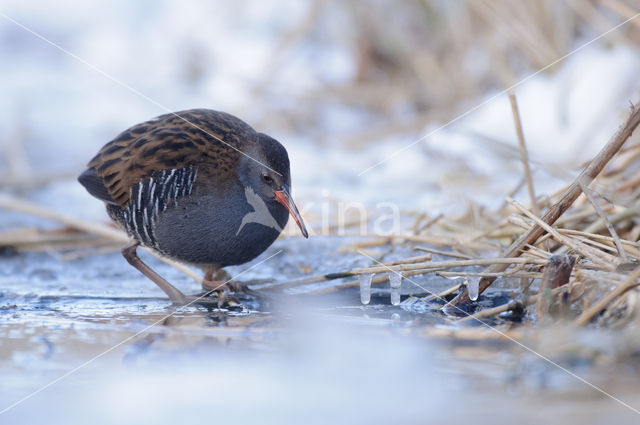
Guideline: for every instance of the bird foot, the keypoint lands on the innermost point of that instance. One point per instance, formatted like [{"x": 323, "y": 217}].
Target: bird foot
[
  {"x": 228, "y": 292},
  {"x": 221, "y": 300}
]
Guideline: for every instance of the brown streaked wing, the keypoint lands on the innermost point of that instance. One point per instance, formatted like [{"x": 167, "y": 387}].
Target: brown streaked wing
[{"x": 169, "y": 142}]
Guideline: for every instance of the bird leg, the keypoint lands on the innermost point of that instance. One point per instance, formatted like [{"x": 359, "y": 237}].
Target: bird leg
[
  {"x": 220, "y": 287},
  {"x": 218, "y": 280},
  {"x": 129, "y": 252}
]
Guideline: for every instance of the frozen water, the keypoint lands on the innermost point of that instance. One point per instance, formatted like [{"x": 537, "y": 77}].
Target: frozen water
[
  {"x": 365, "y": 288},
  {"x": 415, "y": 305},
  {"x": 395, "y": 281},
  {"x": 472, "y": 287}
]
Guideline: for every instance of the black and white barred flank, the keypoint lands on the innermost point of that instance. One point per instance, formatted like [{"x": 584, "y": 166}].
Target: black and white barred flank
[{"x": 149, "y": 198}]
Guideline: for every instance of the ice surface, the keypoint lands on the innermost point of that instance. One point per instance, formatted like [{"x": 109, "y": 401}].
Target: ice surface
[
  {"x": 365, "y": 288},
  {"x": 395, "y": 281}
]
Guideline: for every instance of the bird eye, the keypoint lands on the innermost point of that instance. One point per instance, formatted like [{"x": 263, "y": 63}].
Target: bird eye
[{"x": 267, "y": 178}]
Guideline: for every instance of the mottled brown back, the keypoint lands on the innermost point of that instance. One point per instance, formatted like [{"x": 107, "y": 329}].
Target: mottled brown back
[{"x": 172, "y": 141}]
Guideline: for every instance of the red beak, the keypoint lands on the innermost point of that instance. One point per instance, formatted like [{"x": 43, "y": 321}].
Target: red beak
[{"x": 284, "y": 198}]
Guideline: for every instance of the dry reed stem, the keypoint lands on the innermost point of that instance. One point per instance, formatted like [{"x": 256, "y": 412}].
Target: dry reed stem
[
  {"x": 604, "y": 260},
  {"x": 565, "y": 220},
  {"x": 598, "y": 21},
  {"x": 485, "y": 274},
  {"x": 444, "y": 253},
  {"x": 630, "y": 282},
  {"x": 414, "y": 269},
  {"x": 595, "y": 244},
  {"x": 632, "y": 248},
  {"x": 471, "y": 334},
  {"x": 11, "y": 203},
  {"x": 429, "y": 223},
  {"x": 568, "y": 198},
  {"x": 523, "y": 152},
  {"x": 19, "y": 205},
  {"x": 534, "y": 251},
  {"x": 604, "y": 218},
  {"x": 616, "y": 218},
  {"x": 443, "y": 294},
  {"x": 518, "y": 303},
  {"x": 410, "y": 260},
  {"x": 378, "y": 279},
  {"x": 488, "y": 312},
  {"x": 556, "y": 273},
  {"x": 437, "y": 240},
  {"x": 629, "y": 184},
  {"x": 624, "y": 11},
  {"x": 26, "y": 237},
  {"x": 446, "y": 264}
]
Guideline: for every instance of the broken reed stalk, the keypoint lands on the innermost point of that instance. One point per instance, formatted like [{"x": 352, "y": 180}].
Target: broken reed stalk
[
  {"x": 523, "y": 153},
  {"x": 556, "y": 273},
  {"x": 629, "y": 283},
  {"x": 568, "y": 198},
  {"x": 11, "y": 203}
]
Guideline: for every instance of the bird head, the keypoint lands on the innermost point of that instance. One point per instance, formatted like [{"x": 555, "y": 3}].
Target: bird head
[{"x": 266, "y": 170}]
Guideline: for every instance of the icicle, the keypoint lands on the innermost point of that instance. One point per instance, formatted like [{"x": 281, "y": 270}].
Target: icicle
[
  {"x": 473, "y": 287},
  {"x": 395, "y": 281},
  {"x": 365, "y": 288}
]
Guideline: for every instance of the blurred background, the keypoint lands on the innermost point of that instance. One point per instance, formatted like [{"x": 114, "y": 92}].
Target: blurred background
[
  {"x": 376, "y": 101},
  {"x": 343, "y": 85}
]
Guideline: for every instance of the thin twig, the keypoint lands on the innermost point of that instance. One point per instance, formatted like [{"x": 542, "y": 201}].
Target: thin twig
[
  {"x": 444, "y": 253},
  {"x": 446, "y": 292},
  {"x": 485, "y": 274},
  {"x": 629, "y": 283},
  {"x": 410, "y": 260},
  {"x": 604, "y": 218},
  {"x": 605, "y": 261},
  {"x": 523, "y": 152}
]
